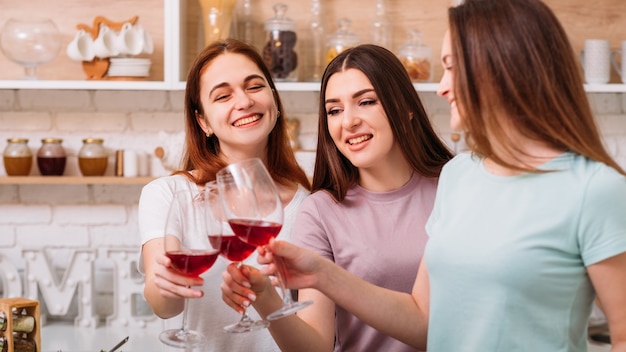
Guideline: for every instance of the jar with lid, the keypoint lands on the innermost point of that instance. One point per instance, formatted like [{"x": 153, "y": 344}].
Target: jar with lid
[
  {"x": 417, "y": 58},
  {"x": 280, "y": 49},
  {"x": 51, "y": 157},
  {"x": 17, "y": 156},
  {"x": 93, "y": 158},
  {"x": 341, "y": 40}
]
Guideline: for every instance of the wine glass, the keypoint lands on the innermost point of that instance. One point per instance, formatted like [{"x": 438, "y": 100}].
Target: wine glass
[
  {"x": 254, "y": 211},
  {"x": 30, "y": 43},
  {"x": 189, "y": 225},
  {"x": 235, "y": 250}
]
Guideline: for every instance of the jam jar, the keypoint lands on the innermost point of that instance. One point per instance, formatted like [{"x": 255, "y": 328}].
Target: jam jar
[
  {"x": 17, "y": 156},
  {"x": 280, "y": 49},
  {"x": 341, "y": 40},
  {"x": 417, "y": 58},
  {"x": 51, "y": 157},
  {"x": 93, "y": 158}
]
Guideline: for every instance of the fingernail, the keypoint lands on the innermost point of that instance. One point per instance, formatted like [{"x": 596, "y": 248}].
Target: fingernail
[
  {"x": 246, "y": 304},
  {"x": 252, "y": 297},
  {"x": 246, "y": 284}
]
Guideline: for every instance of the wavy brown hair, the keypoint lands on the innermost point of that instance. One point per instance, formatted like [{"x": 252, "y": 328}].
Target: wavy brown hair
[
  {"x": 514, "y": 65},
  {"x": 202, "y": 153},
  {"x": 420, "y": 145}
]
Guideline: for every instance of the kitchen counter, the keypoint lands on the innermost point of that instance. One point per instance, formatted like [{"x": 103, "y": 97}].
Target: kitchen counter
[{"x": 65, "y": 337}]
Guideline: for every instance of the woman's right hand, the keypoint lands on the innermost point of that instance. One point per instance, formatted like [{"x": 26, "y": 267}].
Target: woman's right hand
[
  {"x": 302, "y": 267},
  {"x": 171, "y": 284},
  {"x": 242, "y": 285}
]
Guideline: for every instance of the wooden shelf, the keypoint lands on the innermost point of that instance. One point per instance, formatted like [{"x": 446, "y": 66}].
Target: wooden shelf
[{"x": 74, "y": 180}]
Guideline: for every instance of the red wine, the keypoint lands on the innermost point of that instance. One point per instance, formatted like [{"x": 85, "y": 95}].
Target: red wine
[
  {"x": 51, "y": 166},
  {"x": 192, "y": 262},
  {"x": 255, "y": 232},
  {"x": 235, "y": 249}
]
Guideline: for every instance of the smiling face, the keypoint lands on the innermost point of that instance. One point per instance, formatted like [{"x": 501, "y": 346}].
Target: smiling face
[
  {"x": 446, "y": 85},
  {"x": 238, "y": 103},
  {"x": 357, "y": 122}
]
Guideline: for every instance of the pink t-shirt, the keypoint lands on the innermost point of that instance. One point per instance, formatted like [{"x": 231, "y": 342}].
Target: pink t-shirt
[{"x": 379, "y": 237}]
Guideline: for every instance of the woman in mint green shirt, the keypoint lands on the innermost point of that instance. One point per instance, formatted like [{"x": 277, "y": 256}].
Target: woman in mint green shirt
[{"x": 529, "y": 226}]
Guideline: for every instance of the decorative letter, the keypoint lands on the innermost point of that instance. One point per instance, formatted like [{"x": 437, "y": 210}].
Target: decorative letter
[
  {"x": 38, "y": 272},
  {"x": 128, "y": 285}
]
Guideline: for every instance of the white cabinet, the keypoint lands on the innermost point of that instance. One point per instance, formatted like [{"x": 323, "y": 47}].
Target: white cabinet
[{"x": 175, "y": 28}]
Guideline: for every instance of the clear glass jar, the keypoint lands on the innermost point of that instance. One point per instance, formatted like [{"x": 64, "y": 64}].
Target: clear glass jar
[
  {"x": 17, "y": 156},
  {"x": 280, "y": 49},
  {"x": 381, "y": 26},
  {"x": 93, "y": 158},
  {"x": 51, "y": 157},
  {"x": 341, "y": 40},
  {"x": 417, "y": 58},
  {"x": 316, "y": 30}
]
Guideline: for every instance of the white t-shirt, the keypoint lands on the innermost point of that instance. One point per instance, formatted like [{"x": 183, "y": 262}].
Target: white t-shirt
[{"x": 208, "y": 314}]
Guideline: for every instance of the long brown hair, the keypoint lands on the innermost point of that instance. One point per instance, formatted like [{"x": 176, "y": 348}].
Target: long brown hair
[
  {"x": 513, "y": 61},
  {"x": 419, "y": 143},
  {"x": 202, "y": 153}
]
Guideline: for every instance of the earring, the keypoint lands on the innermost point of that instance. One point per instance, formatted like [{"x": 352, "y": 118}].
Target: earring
[{"x": 209, "y": 133}]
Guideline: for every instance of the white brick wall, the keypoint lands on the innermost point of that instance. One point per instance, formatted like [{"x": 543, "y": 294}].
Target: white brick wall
[{"x": 104, "y": 216}]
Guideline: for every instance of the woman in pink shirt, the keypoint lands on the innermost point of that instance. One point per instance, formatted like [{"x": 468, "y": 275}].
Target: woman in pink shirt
[{"x": 376, "y": 171}]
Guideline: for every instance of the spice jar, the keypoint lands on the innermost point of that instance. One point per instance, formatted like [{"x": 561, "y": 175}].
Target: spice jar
[
  {"x": 341, "y": 40},
  {"x": 279, "y": 51},
  {"x": 51, "y": 157},
  {"x": 21, "y": 323},
  {"x": 17, "y": 156},
  {"x": 417, "y": 58},
  {"x": 92, "y": 157}
]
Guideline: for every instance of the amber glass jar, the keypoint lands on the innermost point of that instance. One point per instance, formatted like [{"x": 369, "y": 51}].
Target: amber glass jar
[
  {"x": 51, "y": 157},
  {"x": 417, "y": 58},
  {"x": 93, "y": 159},
  {"x": 17, "y": 156},
  {"x": 341, "y": 40}
]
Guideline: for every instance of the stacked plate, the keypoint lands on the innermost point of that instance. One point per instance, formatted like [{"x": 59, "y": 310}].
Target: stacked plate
[{"x": 129, "y": 67}]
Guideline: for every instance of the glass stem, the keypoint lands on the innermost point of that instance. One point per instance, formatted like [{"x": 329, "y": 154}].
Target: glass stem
[
  {"x": 30, "y": 72},
  {"x": 185, "y": 326},
  {"x": 245, "y": 319},
  {"x": 287, "y": 300}
]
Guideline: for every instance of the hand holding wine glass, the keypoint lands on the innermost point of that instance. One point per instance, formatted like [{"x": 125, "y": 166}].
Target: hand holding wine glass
[
  {"x": 254, "y": 211},
  {"x": 236, "y": 250},
  {"x": 189, "y": 224}
]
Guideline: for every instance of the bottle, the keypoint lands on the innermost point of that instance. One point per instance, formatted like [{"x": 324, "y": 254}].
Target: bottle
[
  {"x": 21, "y": 323},
  {"x": 279, "y": 51},
  {"x": 246, "y": 25},
  {"x": 22, "y": 343},
  {"x": 316, "y": 29},
  {"x": 341, "y": 40},
  {"x": 417, "y": 58},
  {"x": 381, "y": 26},
  {"x": 217, "y": 19},
  {"x": 51, "y": 157},
  {"x": 17, "y": 156},
  {"x": 92, "y": 157}
]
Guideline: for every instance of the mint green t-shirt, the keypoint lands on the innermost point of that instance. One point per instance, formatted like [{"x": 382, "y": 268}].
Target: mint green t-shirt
[{"x": 507, "y": 256}]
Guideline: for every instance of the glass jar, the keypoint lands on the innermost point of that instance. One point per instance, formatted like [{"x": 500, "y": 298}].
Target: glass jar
[
  {"x": 17, "y": 156},
  {"x": 316, "y": 30},
  {"x": 279, "y": 51},
  {"x": 341, "y": 40},
  {"x": 417, "y": 58},
  {"x": 381, "y": 26},
  {"x": 93, "y": 159},
  {"x": 51, "y": 157}
]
